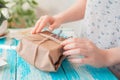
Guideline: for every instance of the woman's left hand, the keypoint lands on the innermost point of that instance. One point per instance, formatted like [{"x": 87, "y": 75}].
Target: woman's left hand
[{"x": 84, "y": 47}]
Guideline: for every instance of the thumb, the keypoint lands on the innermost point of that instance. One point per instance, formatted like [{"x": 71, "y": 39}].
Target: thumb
[{"x": 53, "y": 26}]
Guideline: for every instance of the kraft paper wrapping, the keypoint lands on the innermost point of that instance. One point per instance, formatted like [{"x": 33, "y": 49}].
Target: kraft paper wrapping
[{"x": 42, "y": 50}]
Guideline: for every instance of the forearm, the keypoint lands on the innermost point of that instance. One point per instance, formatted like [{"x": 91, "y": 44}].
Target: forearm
[
  {"x": 76, "y": 12},
  {"x": 114, "y": 55}
]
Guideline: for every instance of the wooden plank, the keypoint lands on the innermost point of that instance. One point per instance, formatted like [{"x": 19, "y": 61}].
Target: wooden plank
[
  {"x": 98, "y": 73},
  {"x": 8, "y": 72},
  {"x": 77, "y": 72},
  {"x": 69, "y": 70},
  {"x": 74, "y": 73}
]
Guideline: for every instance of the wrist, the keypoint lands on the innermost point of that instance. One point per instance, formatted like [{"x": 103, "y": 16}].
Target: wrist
[
  {"x": 59, "y": 18},
  {"x": 114, "y": 56},
  {"x": 105, "y": 61},
  {"x": 110, "y": 58},
  {"x": 106, "y": 58}
]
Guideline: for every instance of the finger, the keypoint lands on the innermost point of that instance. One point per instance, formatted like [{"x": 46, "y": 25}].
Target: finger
[
  {"x": 36, "y": 26},
  {"x": 43, "y": 23},
  {"x": 75, "y": 52},
  {"x": 73, "y": 46},
  {"x": 79, "y": 60},
  {"x": 73, "y": 40},
  {"x": 68, "y": 41},
  {"x": 53, "y": 26}
]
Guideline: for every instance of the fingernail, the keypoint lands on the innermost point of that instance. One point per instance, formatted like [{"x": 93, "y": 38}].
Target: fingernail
[
  {"x": 31, "y": 32},
  {"x": 37, "y": 31},
  {"x": 50, "y": 29},
  {"x": 62, "y": 43},
  {"x": 65, "y": 48},
  {"x": 69, "y": 59},
  {"x": 64, "y": 53}
]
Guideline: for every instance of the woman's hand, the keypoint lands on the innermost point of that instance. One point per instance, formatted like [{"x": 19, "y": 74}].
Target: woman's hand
[
  {"x": 84, "y": 47},
  {"x": 52, "y": 22}
]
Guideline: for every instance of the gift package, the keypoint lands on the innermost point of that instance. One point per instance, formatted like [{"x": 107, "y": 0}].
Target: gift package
[{"x": 42, "y": 50}]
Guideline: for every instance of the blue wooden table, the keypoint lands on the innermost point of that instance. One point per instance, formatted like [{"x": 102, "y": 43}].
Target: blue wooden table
[{"x": 18, "y": 69}]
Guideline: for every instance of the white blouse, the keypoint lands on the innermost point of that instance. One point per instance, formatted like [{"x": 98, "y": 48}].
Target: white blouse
[{"x": 102, "y": 23}]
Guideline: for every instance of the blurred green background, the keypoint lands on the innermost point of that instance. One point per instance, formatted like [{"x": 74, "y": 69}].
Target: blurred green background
[{"x": 18, "y": 13}]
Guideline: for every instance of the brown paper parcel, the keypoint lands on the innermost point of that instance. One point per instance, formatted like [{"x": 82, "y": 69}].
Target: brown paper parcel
[{"x": 42, "y": 50}]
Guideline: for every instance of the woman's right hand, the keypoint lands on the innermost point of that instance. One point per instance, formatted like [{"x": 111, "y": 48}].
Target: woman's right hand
[{"x": 52, "y": 22}]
